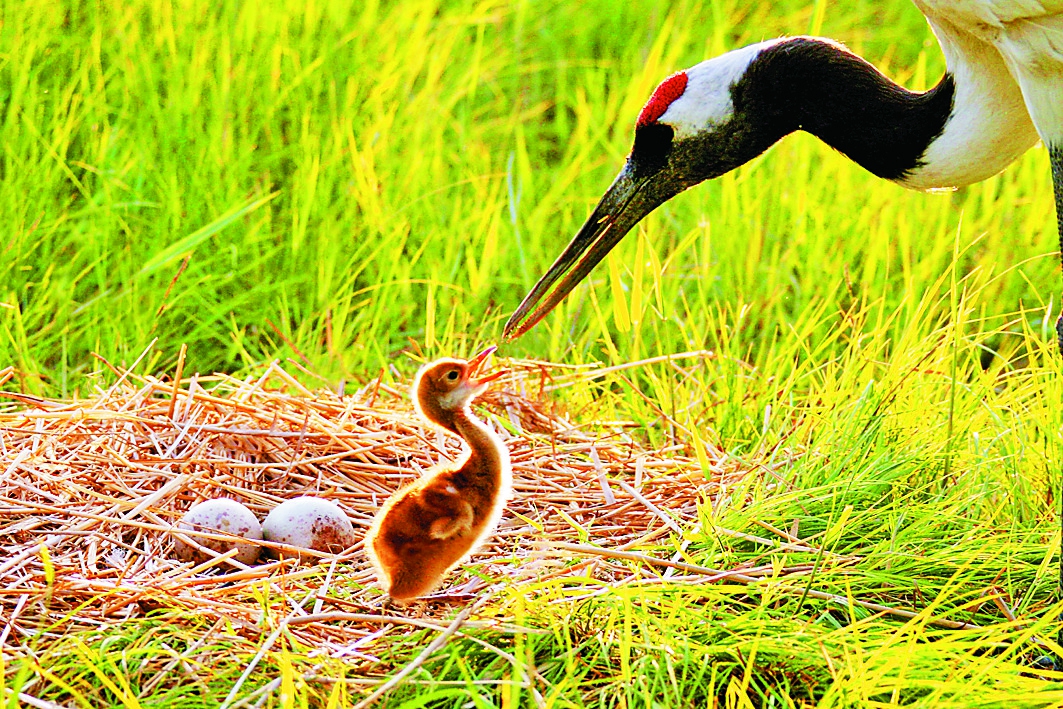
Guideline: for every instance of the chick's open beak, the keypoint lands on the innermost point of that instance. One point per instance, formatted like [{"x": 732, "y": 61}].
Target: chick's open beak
[{"x": 477, "y": 363}]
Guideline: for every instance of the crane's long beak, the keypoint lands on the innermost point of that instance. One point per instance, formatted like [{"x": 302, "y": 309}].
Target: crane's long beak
[{"x": 619, "y": 209}]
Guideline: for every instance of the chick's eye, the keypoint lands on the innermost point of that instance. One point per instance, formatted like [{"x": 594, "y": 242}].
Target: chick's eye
[{"x": 452, "y": 375}]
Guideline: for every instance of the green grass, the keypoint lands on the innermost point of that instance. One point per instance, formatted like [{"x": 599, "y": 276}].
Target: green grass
[{"x": 342, "y": 182}]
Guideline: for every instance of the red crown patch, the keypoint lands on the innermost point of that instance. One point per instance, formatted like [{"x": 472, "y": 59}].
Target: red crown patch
[{"x": 663, "y": 96}]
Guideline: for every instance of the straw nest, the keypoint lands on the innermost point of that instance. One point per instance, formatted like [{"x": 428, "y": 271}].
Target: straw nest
[{"x": 92, "y": 488}]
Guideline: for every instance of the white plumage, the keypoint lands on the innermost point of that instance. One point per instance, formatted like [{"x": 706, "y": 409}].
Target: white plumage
[{"x": 1007, "y": 60}]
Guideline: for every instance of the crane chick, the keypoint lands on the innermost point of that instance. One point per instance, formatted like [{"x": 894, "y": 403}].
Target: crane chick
[{"x": 428, "y": 527}]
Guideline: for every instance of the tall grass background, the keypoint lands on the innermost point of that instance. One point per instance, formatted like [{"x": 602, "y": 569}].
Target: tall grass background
[{"x": 358, "y": 186}]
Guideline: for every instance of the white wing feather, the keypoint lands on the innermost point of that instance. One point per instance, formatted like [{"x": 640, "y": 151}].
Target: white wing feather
[{"x": 1028, "y": 34}]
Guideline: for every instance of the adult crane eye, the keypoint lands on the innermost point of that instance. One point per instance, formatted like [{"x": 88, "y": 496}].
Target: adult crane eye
[{"x": 653, "y": 145}]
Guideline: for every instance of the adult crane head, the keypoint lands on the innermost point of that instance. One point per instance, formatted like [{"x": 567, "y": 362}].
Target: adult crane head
[
  {"x": 686, "y": 133},
  {"x": 712, "y": 118}
]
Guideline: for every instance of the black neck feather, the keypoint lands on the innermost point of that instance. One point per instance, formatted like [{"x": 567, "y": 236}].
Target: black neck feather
[{"x": 816, "y": 86}]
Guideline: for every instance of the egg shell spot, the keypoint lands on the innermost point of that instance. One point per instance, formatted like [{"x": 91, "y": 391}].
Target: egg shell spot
[
  {"x": 310, "y": 523},
  {"x": 224, "y": 516}
]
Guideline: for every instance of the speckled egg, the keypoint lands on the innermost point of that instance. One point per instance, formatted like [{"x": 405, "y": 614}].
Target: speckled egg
[
  {"x": 310, "y": 523},
  {"x": 221, "y": 515}
]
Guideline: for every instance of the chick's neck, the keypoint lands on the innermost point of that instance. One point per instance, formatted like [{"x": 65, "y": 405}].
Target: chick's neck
[{"x": 488, "y": 461}]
